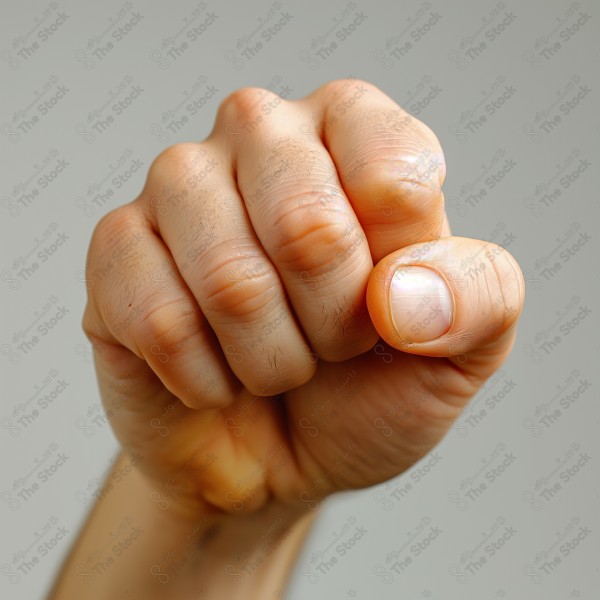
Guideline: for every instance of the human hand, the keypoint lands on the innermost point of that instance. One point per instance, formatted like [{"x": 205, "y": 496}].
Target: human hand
[{"x": 244, "y": 344}]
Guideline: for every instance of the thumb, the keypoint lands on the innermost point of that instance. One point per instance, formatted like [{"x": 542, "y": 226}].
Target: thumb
[{"x": 453, "y": 297}]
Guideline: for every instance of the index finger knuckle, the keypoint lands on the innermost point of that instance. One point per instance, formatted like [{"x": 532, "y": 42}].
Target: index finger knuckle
[{"x": 243, "y": 106}]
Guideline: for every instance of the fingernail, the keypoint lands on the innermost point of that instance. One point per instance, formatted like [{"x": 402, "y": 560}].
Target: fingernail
[{"x": 421, "y": 304}]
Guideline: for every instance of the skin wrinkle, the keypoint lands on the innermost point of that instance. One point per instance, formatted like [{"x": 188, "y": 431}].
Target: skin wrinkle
[
  {"x": 252, "y": 313},
  {"x": 409, "y": 145},
  {"x": 216, "y": 293},
  {"x": 228, "y": 244},
  {"x": 506, "y": 315},
  {"x": 325, "y": 235},
  {"x": 338, "y": 317},
  {"x": 308, "y": 209},
  {"x": 397, "y": 164},
  {"x": 287, "y": 164},
  {"x": 295, "y": 186},
  {"x": 324, "y": 414}
]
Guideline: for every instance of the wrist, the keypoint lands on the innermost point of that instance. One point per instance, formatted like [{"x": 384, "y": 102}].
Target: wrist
[
  {"x": 219, "y": 554},
  {"x": 251, "y": 556}
]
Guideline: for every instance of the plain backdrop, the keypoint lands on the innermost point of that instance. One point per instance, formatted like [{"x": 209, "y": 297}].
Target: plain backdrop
[{"x": 511, "y": 90}]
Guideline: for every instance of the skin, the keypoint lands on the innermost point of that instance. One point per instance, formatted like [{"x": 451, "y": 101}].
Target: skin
[{"x": 243, "y": 340}]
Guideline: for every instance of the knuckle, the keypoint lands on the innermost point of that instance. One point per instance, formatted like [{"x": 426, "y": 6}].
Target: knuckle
[
  {"x": 392, "y": 166},
  {"x": 395, "y": 185},
  {"x": 114, "y": 244},
  {"x": 241, "y": 287},
  {"x": 175, "y": 176},
  {"x": 112, "y": 224},
  {"x": 89, "y": 324},
  {"x": 243, "y": 104},
  {"x": 334, "y": 91},
  {"x": 172, "y": 158},
  {"x": 399, "y": 145},
  {"x": 163, "y": 329},
  {"x": 113, "y": 238},
  {"x": 169, "y": 169},
  {"x": 310, "y": 243}
]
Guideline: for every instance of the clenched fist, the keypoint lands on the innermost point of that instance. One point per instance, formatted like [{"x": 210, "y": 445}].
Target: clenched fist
[{"x": 282, "y": 312}]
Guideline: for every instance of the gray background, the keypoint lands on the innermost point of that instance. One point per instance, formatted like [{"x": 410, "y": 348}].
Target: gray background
[{"x": 542, "y": 407}]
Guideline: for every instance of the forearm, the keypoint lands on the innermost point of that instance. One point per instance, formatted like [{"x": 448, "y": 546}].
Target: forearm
[{"x": 135, "y": 543}]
